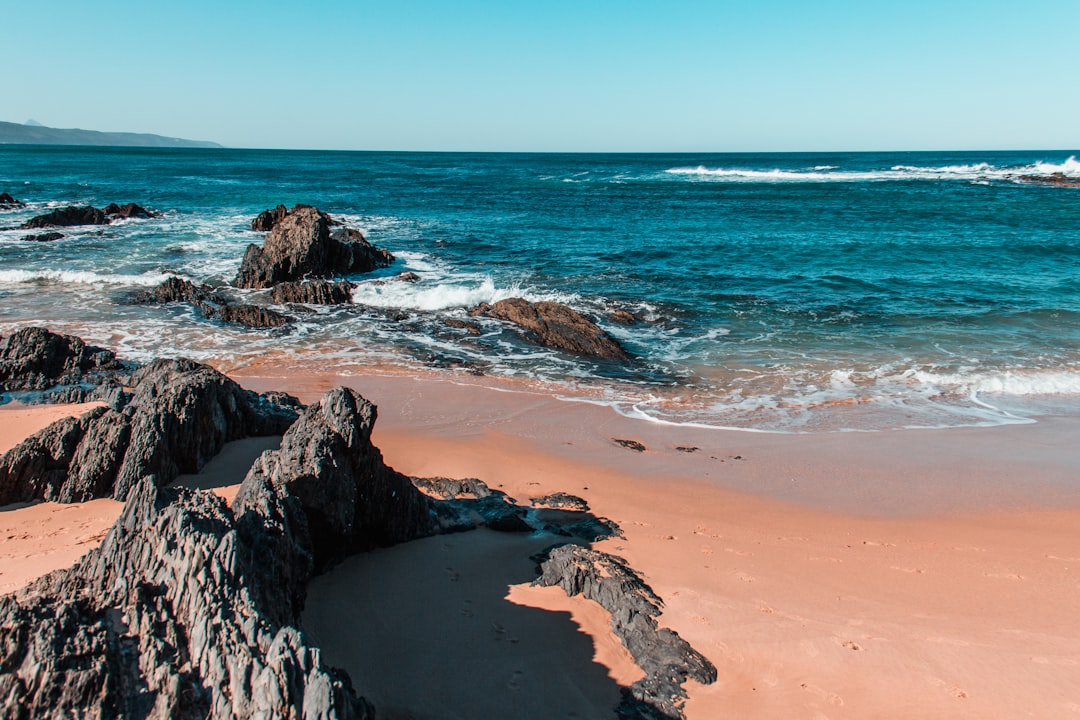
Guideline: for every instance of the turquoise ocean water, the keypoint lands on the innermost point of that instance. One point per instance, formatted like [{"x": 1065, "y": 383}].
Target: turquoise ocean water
[{"x": 787, "y": 292}]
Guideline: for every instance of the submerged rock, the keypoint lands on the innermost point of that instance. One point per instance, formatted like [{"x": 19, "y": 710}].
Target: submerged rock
[
  {"x": 1057, "y": 179},
  {"x": 211, "y": 303},
  {"x": 555, "y": 325},
  {"x": 301, "y": 245},
  {"x": 127, "y": 210},
  {"x": 43, "y": 237},
  {"x": 667, "y": 659},
  {"x": 66, "y": 217},
  {"x": 180, "y": 414}
]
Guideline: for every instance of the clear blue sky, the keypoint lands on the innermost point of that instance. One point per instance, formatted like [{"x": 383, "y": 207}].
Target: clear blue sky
[{"x": 584, "y": 75}]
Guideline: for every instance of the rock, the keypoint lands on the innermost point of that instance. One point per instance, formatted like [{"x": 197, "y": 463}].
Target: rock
[
  {"x": 1057, "y": 179},
  {"x": 180, "y": 414},
  {"x": 67, "y": 217},
  {"x": 128, "y": 210},
  {"x": 35, "y": 359},
  {"x": 352, "y": 499},
  {"x": 211, "y": 303},
  {"x": 267, "y": 219},
  {"x": 622, "y": 317},
  {"x": 8, "y": 202},
  {"x": 629, "y": 444},
  {"x": 469, "y": 327},
  {"x": 561, "y": 501},
  {"x": 555, "y": 325},
  {"x": 667, "y": 659},
  {"x": 302, "y": 245},
  {"x": 409, "y": 277},
  {"x": 165, "y": 619},
  {"x": 314, "y": 292},
  {"x": 43, "y": 237}
]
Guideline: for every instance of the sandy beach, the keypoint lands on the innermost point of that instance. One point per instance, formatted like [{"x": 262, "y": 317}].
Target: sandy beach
[{"x": 929, "y": 574}]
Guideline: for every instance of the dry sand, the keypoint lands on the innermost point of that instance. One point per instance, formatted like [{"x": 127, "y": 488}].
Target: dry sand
[{"x": 913, "y": 574}]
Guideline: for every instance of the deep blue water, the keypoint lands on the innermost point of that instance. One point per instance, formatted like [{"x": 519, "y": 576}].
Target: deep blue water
[{"x": 780, "y": 291}]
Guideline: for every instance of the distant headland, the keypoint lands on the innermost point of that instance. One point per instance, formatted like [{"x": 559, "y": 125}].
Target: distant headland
[{"x": 34, "y": 133}]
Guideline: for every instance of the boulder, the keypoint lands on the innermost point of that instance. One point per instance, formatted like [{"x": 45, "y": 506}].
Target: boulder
[
  {"x": 667, "y": 659},
  {"x": 555, "y": 325},
  {"x": 302, "y": 245},
  {"x": 66, "y": 217},
  {"x": 352, "y": 499},
  {"x": 8, "y": 202},
  {"x": 253, "y": 316},
  {"x": 34, "y": 358},
  {"x": 180, "y": 414},
  {"x": 173, "y": 289},
  {"x": 314, "y": 292}
]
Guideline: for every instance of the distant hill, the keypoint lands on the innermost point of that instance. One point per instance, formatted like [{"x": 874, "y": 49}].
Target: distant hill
[{"x": 15, "y": 134}]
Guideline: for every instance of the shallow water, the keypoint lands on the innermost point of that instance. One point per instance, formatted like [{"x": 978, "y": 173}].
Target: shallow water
[{"x": 780, "y": 292}]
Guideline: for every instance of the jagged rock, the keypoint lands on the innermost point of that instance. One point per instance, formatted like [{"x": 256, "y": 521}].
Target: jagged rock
[
  {"x": 561, "y": 501},
  {"x": 34, "y": 358},
  {"x": 314, "y": 292},
  {"x": 127, "y": 210},
  {"x": 7, "y": 202},
  {"x": 622, "y": 317},
  {"x": 667, "y": 659},
  {"x": 409, "y": 277},
  {"x": 352, "y": 499},
  {"x": 555, "y": 325},
  {"x": 211, "y": 303},
  {"x": 302, "y": 245},
  {"x": 43, "y": 237},
  {"x": 267, "y": 219},
  {"x": 180, "y": 414},
  {"x": 165, "y": 620},
  {"x": 66, "y": 217}
]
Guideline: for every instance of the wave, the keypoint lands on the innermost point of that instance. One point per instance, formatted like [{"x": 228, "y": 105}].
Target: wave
[
  {"x": 79, "y": 277},
  {"x": 829, "y": 173},
  {"x": 431, "y": 297}
]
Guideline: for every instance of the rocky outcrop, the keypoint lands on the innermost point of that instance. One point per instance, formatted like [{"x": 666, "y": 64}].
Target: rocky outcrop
[
  {"x": 179, "y": 415},
  {"x": 267, "y": 219},
  {"x": 301, "y": 244},
  {"x": 211, "y": 303},
  {"x": 7, "y": 202},
  {"x": 555, "y": 325},
  {"x": 314, "y": 292},
  {"x": 34, "y": 358},
  {"x": 346, "y": 516},
  {"x": 89, "y": 215},
  {"x": 1057, "y": 179},
  {"x": 667, "y": 659}
]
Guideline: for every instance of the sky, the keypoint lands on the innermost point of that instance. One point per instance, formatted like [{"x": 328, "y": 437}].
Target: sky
[{"x": 576, "y": 76}]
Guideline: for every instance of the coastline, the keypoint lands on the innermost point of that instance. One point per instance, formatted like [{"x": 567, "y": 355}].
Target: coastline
[{"x": 878, "y": 584}]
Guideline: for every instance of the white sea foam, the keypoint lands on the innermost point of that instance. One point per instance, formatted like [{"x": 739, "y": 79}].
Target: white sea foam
[
  {"x": 977, "y": 172},
  {"x": 431, "y": 296},
  {"x": 79, "y": 277}
]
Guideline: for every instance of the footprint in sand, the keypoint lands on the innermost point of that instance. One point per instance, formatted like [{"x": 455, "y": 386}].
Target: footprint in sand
[
  {"x": 515, "y": 680},
  {"x": 745, "y": 577},
  {"x": 823, "y": 694},
  {"x": 454, "y": 576},
  {"x": 851, "y": 645},
  {"x": 912, "y": 570},
  {"x": 1004, "y": 576}
]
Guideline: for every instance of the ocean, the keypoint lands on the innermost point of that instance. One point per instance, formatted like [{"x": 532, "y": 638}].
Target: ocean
[{"x": 774, "y": 292}]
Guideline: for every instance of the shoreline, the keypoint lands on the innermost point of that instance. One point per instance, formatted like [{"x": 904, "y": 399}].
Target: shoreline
[{"x": 855, "y": 591}]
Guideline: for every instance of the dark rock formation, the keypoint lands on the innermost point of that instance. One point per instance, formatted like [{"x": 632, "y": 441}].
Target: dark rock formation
[
  {"x": 211, "y": 303},
  {"x": 7, "y": 202},
  {"x": 667, "y": 659},
  {"x": 180, "y": 414},
  {"x": 43, "y": 237},
  {"x": 66, "y": 217},
  {"x": 561, "y": 501},
  {"x": 345, "y": 516},
  {"x": 314, "y": 292},
  {"x": 1057, "y": 179},
  {"x": 35, "y": 359},
  {"x": 167, "y": 619},
  {"x": 555, "y": 325},
  {"x": 302, "y": 245},
  {"x": 622, "y": 317},
  {"x": 629, "y": 444},
  {"x": 127, "y": 210},
  {"x": 409, "y": 277},
  {"x": 267, "y": 219}
]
